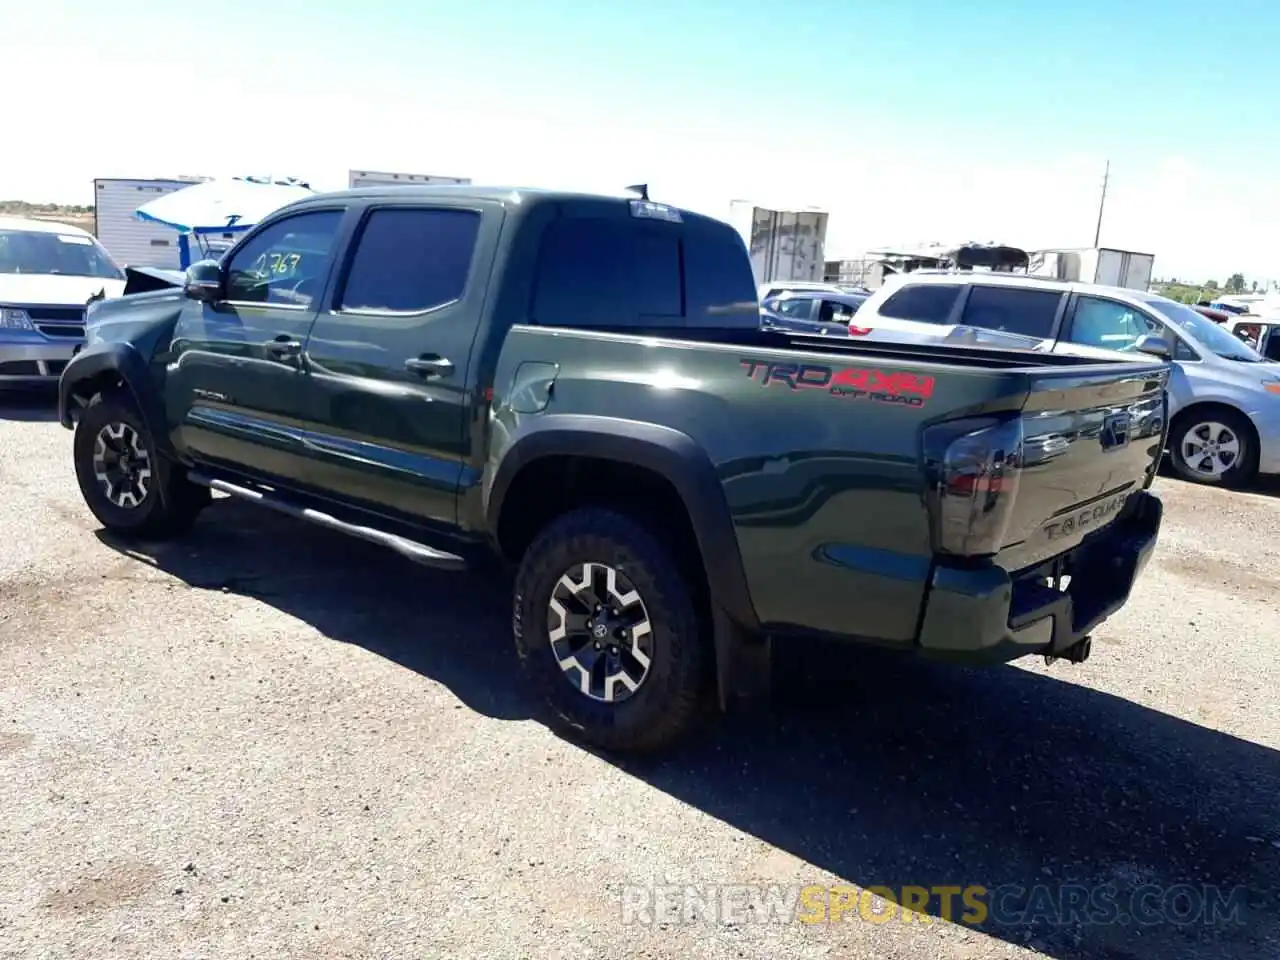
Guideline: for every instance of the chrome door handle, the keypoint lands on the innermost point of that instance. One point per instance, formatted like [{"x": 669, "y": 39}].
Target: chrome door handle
[
  {"x": 429, "y": 366},
  {"x": 282, "y": 348}
]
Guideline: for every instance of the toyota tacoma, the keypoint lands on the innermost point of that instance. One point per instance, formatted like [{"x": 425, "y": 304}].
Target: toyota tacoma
[{"x": 579, "y": 386}]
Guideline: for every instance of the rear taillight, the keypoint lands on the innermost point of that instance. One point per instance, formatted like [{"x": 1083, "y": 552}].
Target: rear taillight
[{"x": 974, "y": 466}]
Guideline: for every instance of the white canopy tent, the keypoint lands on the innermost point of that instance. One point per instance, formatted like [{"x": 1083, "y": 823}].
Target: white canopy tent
[{"x": 217, "y": 207}]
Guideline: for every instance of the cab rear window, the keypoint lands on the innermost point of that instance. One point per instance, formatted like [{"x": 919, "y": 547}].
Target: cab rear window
[
  {"x": 614, "y": 272},
  {"x": 603, "y": 272}
]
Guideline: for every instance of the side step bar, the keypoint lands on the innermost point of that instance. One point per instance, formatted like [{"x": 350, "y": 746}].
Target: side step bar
[{"x": 417, "y": 552}]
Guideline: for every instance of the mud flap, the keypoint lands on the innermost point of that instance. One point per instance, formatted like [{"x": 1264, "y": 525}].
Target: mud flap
[{"x": 744, "y": 665}]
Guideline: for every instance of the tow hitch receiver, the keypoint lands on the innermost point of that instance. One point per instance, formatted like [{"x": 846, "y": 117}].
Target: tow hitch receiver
[{"x": 1078, "y": 652}]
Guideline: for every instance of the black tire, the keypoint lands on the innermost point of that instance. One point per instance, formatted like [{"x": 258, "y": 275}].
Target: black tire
[
  {"x": 1197, "y": 424},
  {"x": 167, "y": 504},
  {"x": 664, "y": 705}
]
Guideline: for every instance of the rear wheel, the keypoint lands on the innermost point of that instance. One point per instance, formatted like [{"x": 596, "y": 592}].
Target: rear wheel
[
  {"x": 1214, "y": 446},
  {"x": 608, "y": 632},
  {"x": 123, "y": 480}
]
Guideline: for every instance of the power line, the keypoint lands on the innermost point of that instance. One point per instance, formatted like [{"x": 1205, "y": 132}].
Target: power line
[{"x": 1097, "y": 234}]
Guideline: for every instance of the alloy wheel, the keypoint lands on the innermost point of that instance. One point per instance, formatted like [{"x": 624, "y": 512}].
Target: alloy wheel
[
  {"x": 1210, "y": 449},
  {"x": 600, "y": 632},
  {"x": 122, "y": 465}
]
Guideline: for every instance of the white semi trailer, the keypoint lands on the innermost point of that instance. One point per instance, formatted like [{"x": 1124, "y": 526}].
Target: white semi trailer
[
  {"x": 1105, "y": 265},
  {"x": 784, "y": 244}
]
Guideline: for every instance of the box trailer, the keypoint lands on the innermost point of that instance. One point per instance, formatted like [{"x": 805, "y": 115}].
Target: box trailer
[
  {"x": 1105, "y": 265},
  {"x": 130, "y": 241},
  {"x": 783, "y": 244},
  {"x": 374, "y": 178}
]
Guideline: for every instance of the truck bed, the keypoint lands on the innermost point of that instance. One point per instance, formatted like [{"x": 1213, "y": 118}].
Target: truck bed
[{"x": 832, "y": 453}]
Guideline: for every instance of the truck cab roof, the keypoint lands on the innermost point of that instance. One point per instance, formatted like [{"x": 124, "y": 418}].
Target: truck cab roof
[{"x": 513, "y": 198}]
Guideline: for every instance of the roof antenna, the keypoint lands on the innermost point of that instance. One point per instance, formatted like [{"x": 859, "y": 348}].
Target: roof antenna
[{"x": 640, "y": 188}]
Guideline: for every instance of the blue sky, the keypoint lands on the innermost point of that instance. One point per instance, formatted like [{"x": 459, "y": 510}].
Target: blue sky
[{"x": 907, "y": 121}]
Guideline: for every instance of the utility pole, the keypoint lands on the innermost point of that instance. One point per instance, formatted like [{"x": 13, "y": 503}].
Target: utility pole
[{"x": 1097, "y": 234}]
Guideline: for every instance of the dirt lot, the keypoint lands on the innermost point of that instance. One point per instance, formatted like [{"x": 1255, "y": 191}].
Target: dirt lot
[{"x": 270, "y": 741}]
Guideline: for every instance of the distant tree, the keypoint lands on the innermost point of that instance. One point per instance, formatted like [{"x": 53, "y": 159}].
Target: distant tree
[
  {"x": 1235, "y": 283},
  {"x": 1211, "y": 284},
  {"x": 1253, "y": 287}
]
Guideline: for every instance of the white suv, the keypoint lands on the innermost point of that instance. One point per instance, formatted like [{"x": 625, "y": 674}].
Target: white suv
[{"x": 995, "y": 309}]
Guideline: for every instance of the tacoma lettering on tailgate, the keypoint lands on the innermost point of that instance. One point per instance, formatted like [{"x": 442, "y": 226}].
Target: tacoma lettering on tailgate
[
  {"x": 1084, "y": 519},
  {"x": 882, "y": 386}
]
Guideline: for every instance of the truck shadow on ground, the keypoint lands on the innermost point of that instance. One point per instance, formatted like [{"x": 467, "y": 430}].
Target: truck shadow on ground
[
  {"x": 877, "y": 770},
  {"x": 30, "y": 406}
]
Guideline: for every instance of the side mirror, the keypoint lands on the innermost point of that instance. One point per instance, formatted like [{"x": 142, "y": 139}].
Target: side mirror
[
  {"x": 1154, "y": 345},
  {"x": 203, "y": 281}
]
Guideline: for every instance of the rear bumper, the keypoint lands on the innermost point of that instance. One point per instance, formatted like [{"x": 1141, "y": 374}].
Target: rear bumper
[{"x": 985, "y": 615}]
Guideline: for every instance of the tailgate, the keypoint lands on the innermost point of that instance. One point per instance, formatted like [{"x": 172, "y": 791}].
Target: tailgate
[{"x": 1092, "y": 437}]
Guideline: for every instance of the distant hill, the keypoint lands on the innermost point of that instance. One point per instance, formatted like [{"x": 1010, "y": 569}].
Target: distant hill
[{"x": 75, "y": 215}]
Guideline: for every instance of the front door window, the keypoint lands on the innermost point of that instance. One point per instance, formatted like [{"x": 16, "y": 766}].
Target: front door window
[
  {"x": 285, "y": 263},
  {"x": 1110, "y": 324}
]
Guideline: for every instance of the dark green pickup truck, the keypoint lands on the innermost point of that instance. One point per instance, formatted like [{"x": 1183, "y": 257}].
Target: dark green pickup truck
[{"x": 579, "y": 386}]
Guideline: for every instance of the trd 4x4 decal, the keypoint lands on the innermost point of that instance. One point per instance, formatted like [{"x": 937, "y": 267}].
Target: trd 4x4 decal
[{"x": 882, "y": 386}]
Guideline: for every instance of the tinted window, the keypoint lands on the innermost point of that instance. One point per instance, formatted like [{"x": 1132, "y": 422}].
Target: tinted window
[
  {"x": 791, "y": 307},
  {"x": 720, "y": 290},
  {"x": 284, "y": 263},
  {"x": 1012, "y": 309},
  {"x": 1109, "y": 324},
  {"x": 408, "y": 260},
  {"x": 834, "y": 311},
  {"x": 604, "y": 272},
  {"x": 925, "y": 302}
]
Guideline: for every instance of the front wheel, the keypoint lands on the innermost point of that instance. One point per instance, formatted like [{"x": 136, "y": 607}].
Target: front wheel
[
  {"x": 122, "y": 478},
  {"x": 1215, "y": 447},
  {"x": 608, "y": 631}
]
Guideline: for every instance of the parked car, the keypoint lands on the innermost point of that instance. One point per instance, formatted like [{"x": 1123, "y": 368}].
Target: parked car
[
  {"x": 48, "y": 273},
  {"x": 1262, "y": 335},
  {"x": 812, "y": 311},
  {"x": 1224, "y": 398},
  {"x": 766, "y": 291},
  {"x": 579, "y": 386}
]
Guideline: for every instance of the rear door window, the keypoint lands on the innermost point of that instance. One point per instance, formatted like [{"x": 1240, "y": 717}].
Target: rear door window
[
  {"x": 410, "y": 260},
  {"x": 608, "y": 273},
  {"x": 922, "y": 302},
  {"x": 798, "y": 308},
  {"x": 835, "y": 311},
  {"x": 1012, "y": 309}
]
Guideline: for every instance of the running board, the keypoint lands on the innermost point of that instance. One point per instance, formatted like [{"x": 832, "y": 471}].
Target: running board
[{"x": 417, "y": 552}]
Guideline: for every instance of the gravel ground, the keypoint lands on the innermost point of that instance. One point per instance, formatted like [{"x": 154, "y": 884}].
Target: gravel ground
[{"x": 269, "y": 741}]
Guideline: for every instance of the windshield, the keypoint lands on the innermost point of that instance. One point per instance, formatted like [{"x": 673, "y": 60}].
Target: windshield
[
  {"x": 1204, "y": 331},
  {"x": 66, "y": 254}
]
